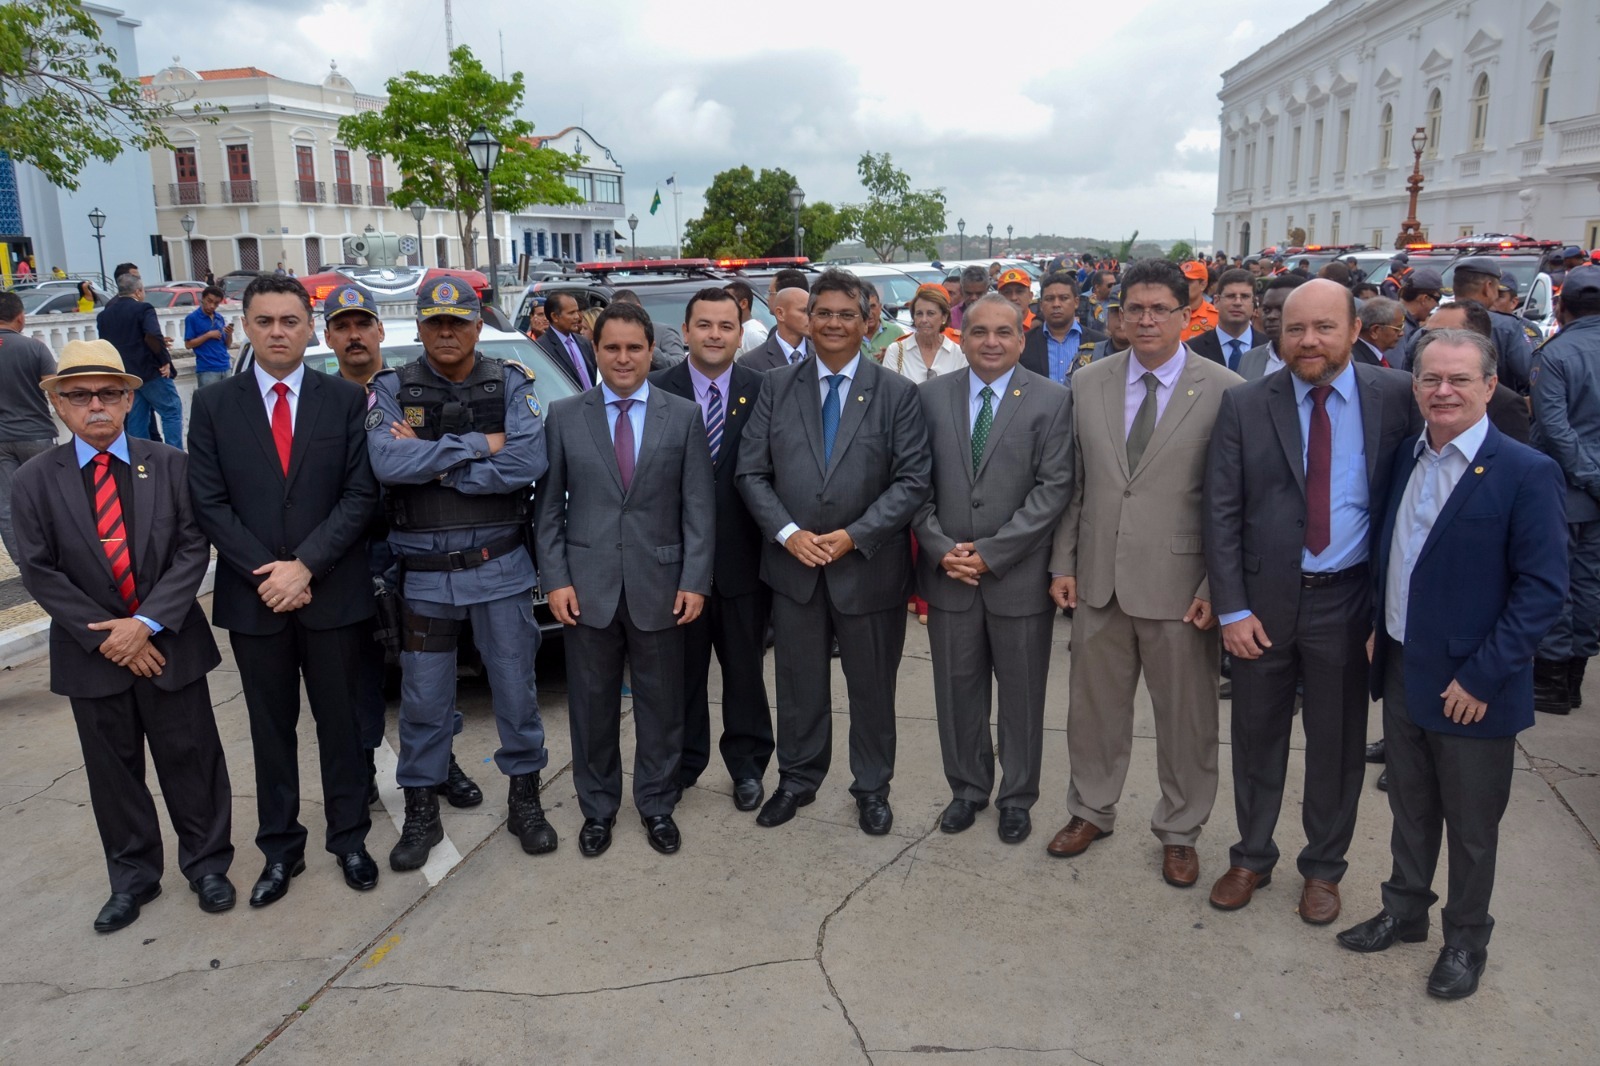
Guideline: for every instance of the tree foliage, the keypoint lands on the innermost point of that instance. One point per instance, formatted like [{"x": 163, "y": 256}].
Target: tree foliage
[
  {"x": 63, "y": 101},
  {"x": 895, "y": 216},
  {"x": 761, "y": 204},
  {"x": 1180, "y": 252},
  {"x": 424, "y": 129}
]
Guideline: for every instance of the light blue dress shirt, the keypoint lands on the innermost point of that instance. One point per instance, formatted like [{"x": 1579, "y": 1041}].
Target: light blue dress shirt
[
  {"x": 119, "y": 448},
  {"x": 635, "y": 414},
  {"x": 975, "y": 401},
  {"x": 1061, "y": 353}
]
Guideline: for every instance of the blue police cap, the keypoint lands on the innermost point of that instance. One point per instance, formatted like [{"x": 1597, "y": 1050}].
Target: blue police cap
[
  {"x": 1581, "y": 281},
  {"x": 448, "y": 295},
  {"x": 348, "y": 297},
  {"x": 1572, "y": 251}
]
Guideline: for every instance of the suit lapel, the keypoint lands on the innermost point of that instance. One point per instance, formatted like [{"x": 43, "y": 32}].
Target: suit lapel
[
  {"x": 959, "y": 398},
  {"x": 655, "y": 426},
  {"x": 253, "y": 410},
  {"x": 69, "y": 482},
  {"x": 144, "y": 500},
  {"x": 1112, "y": 395},
  {"x": 1020, "y": 381},
  {"x": 1186, "y": 392},
  {"x": 594, "y": 413},
  {"x": 855, "y": 398},
  {"x": 1371, "y": 418},
  {"x": 1281, "y": 406},
  {"x": 735, "y": 407},
  {"x": 1477, "y": 470},
  {"x": 806, "y": 382}
]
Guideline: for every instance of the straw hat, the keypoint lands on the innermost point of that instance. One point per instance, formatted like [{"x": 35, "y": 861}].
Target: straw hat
[{"x": 85, "y": 358}]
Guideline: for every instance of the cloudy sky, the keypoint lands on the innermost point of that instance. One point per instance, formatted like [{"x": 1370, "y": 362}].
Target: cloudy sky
[{"x": 1075, "y": 118}]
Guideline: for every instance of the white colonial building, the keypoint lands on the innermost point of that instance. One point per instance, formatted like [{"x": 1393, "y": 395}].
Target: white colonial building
[
  {"x": 1317, "y": 126},
  {"x": 582, "y": 232}
]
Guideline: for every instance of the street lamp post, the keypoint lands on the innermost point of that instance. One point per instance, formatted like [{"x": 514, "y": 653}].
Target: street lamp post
[
  {"x": 797, "y": 197},
  {"x": 738, "y": 235},
  {"x": 1411, "y": 229},
  {"x": 961, "y": 228},
  {"x": 484, "y": 148},
  {"x": 1008, "y": 238},
  {"x": 97, "y": 219},
  {"x": 990, "y": 229},
  {"x": 633, "y": 236},
  {"x": 418, "y": 210},
  {"x": 187, "y": 222},
  {"x": 802, "y": 232}
]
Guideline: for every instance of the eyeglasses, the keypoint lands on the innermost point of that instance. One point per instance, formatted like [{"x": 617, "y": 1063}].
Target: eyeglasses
[
  {"x": 1157, "y": 314},
  {"x": 845, "y": 317},
  {"x": 107, "y": 397},
  {"x": 1431, "y": 382}
]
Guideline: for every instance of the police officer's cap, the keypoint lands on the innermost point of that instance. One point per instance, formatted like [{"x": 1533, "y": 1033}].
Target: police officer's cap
[
  {"x": 1572, "y": 251},
  {"x": 1479, "y": 264},
  {"x": 1582, "y": 281},
  {"x": 448, "y": 296},
  {"x": 1400, "y": 257},
  {"x": 1426, "y": 279},
  {"x": 348, "y": 297},
  {"x": 1014, "y": 277}
]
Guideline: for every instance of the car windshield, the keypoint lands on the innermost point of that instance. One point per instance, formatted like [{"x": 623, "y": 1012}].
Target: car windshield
[
  {"x": 666, "y": 309},
  {"x": 44, "y": 301},
  {"x": 894, "y": 290},
  {"x": 924, "y": 275},
  {"x": 549, "y": 380}
]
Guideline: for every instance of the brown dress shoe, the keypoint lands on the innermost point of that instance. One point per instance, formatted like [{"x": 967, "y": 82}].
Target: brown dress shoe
[
  {"x": 1234, "y": 888},
  {"x": 1075, "y": 838},
  {"x": 1319, "y": 902},
  {"x": 1180, "y": 865}
]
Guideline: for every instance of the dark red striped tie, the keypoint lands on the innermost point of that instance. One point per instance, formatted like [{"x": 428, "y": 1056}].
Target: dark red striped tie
[{"x": 112, "y": 530}]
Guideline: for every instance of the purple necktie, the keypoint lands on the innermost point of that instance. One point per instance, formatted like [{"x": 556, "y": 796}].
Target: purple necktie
[
  {"x": 622, "y": 441},
  {"x": 577, "y": 361}
]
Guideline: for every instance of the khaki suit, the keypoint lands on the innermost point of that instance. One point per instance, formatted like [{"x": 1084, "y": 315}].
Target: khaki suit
[{"x": 1132, "y": 540}]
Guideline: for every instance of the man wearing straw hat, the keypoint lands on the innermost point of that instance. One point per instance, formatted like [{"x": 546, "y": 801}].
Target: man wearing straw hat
[{"x": 108, "y": 545}]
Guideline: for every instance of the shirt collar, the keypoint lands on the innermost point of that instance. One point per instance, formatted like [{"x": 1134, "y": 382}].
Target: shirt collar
[
  {"x": 1466, "y": 444},
  {"x": 787, "y": 348},
  {"x": 999, "y": 384},
  {"x": 1245, "y": 339},
  {"x": 702, "y": 384},
  {"x": 86, "y": 452},
  {"x": 848, "y": 370},
  {"x": 1167, "y": 373},
  {"x": 1076, "y": 327},
  {"x": 642, "y": 394},
  {"x": 265, "y": 381},
  {"x": 1344, "y": 384}
]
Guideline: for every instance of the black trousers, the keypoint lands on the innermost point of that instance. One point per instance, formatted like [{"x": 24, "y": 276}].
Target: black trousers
[
  {"x": 370, "y": 706},
  {"x": 594, "y": 712},
  {"x": 270, "y": 668},
  {"x": 181, "y": 730},
  {"x": 735, "y": 626},
  {"x": 869, "y": 653},
  {"x": 1327, "y": 653},
  {"x": 1442, "y": 784}
]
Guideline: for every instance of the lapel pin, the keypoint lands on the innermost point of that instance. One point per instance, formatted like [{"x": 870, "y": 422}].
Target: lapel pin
[
  {"x": 741, "y": 399},
  {"x": 861, "y": 399},
  {"x": 1016, "y": 392},
  {"x": 1191, "y": 392},
  {"x": 1475, "y": 470}
]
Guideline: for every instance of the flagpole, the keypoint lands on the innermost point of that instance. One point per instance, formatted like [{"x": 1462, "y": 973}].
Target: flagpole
[{"x": 677, "y": 230}]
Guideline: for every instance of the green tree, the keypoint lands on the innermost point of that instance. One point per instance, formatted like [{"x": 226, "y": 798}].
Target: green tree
[
  {"x": 895, "y": 216},
  {"x": 63, "y": 101},
  {"x": 760, "y": 203},
  {"x": 1125, "y": 249},
  {"x": 424, "y": 128},
  {"x": 1181, "y": 252}
]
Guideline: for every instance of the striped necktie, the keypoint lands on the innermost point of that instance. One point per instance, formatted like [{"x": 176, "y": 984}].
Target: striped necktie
[
  {"x": 714, "y": 420},
  {"x": 112, "y": 531}
]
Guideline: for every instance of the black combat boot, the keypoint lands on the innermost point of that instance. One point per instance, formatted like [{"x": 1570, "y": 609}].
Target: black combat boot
[
  {"x": 1575, "y": 668},
  {"x": 1550, "y": 692},
  {"x": 458, "y": 789},
  {"x": 421, "y": 831},
  {"x": 527, "y": 822}
]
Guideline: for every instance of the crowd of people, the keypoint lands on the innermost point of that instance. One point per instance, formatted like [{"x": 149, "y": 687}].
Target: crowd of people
[{"x": 1203, "y": 465}]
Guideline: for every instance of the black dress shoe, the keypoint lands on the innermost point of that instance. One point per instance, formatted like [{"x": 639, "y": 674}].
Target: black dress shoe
[
  {"x": 360, "y": 872},
  {"x": 274, "y": 881},
  {"x": 1455, "y": 975},
  {"x": 1015, "y": 825},
  {"x": 122, "y": 909},
  {"x": 1380, "y": 933},
  {"x": 876, "y": 817},
  {"x": 748, "y": 793},
  {"x": 1376, "y": 751},
  {"x": 1383, "y": 780},
  {"x": 458, "y": 789},
  {"x": 959, "y": 815},
  {"x": 595, "y": 836},
  {"x": 662, "y": 832},
  {"x": 781, "y": 807},
  {"x": 216, "y": 893},
  {"x": 1225, "y": 689}
]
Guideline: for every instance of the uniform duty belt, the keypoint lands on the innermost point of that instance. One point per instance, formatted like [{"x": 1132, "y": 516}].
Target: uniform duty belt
[
  {"x": 467, "y": 558},
  {"x": 1332, "y": 577}
]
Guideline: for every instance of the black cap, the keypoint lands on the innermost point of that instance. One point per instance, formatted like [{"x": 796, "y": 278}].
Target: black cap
[
  {"x": 1479, "y": 264},
  {"x": 1582, "y": 281},
  {"x": 1425, "y": 279}
]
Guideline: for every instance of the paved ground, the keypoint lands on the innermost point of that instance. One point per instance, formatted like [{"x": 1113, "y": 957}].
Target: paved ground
[{"x": 810, "y": 943}]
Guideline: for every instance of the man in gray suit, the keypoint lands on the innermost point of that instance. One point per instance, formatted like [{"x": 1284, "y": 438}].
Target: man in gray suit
[
  {"x": 625, "y": 526},
  {"x": 833, "y": 467},
  {"x": 1263, "y": 359},
  {"x": 1002, "y": 471},
  {"x": 786, "y": 344}
]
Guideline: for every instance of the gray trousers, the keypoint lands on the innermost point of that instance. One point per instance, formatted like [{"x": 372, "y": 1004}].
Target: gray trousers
[
  {"x": 973, "y": 651},
  {"x": 508, "y": 639},
  {"x": 13, "y": 453},
  {"x": 1576, "y": 634}
]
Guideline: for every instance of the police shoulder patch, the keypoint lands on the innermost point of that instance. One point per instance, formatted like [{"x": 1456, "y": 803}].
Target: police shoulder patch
[
  {"x": 533, "y": 405},
  {"x": 415, "y": 416},
  {"x": 374, "y": 419}
]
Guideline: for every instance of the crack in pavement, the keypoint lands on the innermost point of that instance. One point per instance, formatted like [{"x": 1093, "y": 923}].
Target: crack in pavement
[
  {"x": 822, "y": 936},
  {"x": 940, "y": 1049},
  {"x": 575, "y": 992},
  {"x": 64, "y": 992},
  {"x": 1550, "y": 783},
  {"x": 42, "y": 791}
]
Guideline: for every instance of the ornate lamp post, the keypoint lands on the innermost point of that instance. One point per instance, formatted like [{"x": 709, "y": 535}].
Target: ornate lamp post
[
  {"x": 1411, "y": 229},
  {"x": 484, "y": 148},
  {"x": 187, "y": 222},
  {"x": 1008, "y": 237},
  {"x": 738, "y": 235},
  {"x": 961, "y": 228},
  {"x": 97, "y": 219},
  {"x": 990, "y": 229},
  {"x": 418, "y": 210},
  {"x": 633, "y": 236},
  {"x": 797, "y": 197}
]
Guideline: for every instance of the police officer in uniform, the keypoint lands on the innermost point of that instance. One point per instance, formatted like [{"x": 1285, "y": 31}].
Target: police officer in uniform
[
  {"x": 1478, "y": 278},
  {"x": 457, "y": 442},
  {"x": 354, "y": 333}
]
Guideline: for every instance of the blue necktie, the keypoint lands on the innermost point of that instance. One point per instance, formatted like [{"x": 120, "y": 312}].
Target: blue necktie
[
  {"x": 830, "y": 415},
  {"x": 1233, "y": 354},
  {"x": 714, "y": 420}
]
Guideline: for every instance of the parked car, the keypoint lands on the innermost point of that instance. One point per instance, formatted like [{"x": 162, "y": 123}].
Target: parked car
[
  {"x": 164, "y": 296},
  {"x": 662, "y": 285},
  {"x": 49, "y": 301}
]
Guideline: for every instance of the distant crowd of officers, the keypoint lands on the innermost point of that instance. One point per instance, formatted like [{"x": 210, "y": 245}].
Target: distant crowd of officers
[{"x": 1187, "y": 460}]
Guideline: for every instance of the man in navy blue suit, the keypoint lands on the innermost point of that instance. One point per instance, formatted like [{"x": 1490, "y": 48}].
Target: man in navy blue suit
[{"x": 1466, "y": 586}]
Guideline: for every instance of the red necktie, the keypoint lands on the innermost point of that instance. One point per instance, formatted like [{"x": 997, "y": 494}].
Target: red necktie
[
  {"x": 112, "y": 531},
  {"x": 282, "y": 425},
  {"x": 1319, "y": 473}
]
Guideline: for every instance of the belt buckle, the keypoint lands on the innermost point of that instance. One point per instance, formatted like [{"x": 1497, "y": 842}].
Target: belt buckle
[{"x": 457, "y": 561}]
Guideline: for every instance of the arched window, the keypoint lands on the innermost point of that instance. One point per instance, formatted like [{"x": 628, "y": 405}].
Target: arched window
[
  {"x": 1385, "y": 136},
  {"x": 1435, "y": 108},
  {"x": 1480, "y": 111},
  {"x": 1541, "y": 94}
]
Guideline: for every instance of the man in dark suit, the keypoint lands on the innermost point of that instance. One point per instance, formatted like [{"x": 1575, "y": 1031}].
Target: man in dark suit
[
  {"x": 1060, "y": 343},
  {"x": 734, "y": 621},
  {"x": 130, "y": 324},
  {"x": 1002, "y": 474},
  {"x": 1233, "y": 335},
  {"x": 572, "y": 353},
  {"x": 108, "y": 546},
  {"x": 283, "y": 488},
  {"x": 625, "y": 526},
  {"x": 1296, "y": 477},
  {"x": 1382, "y": 322},
  {"x": 1466, "y": 587},
  {"x": 786, "y": 344},
  {"x": 1265, "y": 357},
  {"x": 834, "y": 465}
]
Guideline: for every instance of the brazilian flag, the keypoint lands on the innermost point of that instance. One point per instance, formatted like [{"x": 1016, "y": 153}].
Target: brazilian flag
[{"x": 656, "y": 202}]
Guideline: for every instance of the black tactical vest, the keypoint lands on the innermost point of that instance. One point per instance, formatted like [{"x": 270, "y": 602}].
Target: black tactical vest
[{"x": 433, "y": 407}]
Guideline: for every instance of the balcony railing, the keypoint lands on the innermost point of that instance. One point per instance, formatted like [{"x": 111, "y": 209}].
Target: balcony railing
[
  {"x": 346, "y": 194},
  {"x": 186, "y": 192},
  {"x": 310, "y": 192},
  {"x": 378, "y": 195},
  {"x": 239, "y": 192}
]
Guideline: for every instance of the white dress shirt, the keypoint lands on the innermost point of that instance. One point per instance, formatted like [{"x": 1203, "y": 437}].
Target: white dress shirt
[
  {"x": 1166, "y": 378},
  {"x": 904, "y": 357},
  {"x": 755, "y": 335},
  {"x": 294, "y": 379},
  {"x": 1274, "y": 364},
  {"x": 788, "y": 350}
]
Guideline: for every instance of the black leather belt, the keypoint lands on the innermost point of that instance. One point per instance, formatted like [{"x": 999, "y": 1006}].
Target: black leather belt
[
  {"x": 467, "y": 558},
  {"x": 1325, "y": 578}
]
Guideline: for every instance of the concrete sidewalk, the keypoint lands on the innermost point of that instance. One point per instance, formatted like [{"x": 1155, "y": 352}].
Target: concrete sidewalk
[{"x": 810, "y": 943}]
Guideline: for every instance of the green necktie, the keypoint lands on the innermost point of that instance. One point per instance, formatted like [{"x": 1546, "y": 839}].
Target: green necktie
[
  {"x": 1144, "y": 423},
  {"x": 980, "y": 428}
]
